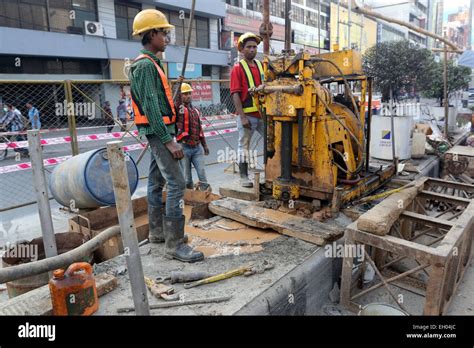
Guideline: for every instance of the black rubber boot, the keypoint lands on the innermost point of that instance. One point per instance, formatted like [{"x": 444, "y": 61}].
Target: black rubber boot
[
  {"x": 175, "y": 247},
  {"x": 155, "y": 221},
  {"x": 244, "y": 175}
]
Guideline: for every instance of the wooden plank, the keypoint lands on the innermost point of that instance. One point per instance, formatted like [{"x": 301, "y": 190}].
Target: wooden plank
[
  {"x": 427, "y": 220},
  {"x": 392, "y": 244},
  {"x": 379, "y": 220},
  {"x": 451, "y": 184},
  {"x": 238, "y": 194},
  {"x": 444, "y": 198},
  {"x": 462, "y": 150},
  {"x": 251, "y": 214},
  {"x": 38, "y": 301}
]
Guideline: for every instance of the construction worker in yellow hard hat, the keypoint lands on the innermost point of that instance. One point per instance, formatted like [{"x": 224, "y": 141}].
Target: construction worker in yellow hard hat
[
  {"x": 191, "y": 137},
  {"x": 244, "y": 37},
  {"x": 247, "y": 73},
  {"x": 155, "y": 117}
]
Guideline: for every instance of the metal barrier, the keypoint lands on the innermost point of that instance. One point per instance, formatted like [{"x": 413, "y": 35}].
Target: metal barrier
[{"x": 75, "y": 118}]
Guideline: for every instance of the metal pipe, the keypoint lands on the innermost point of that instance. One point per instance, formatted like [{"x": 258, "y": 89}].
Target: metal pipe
[
  {"x": 286, "y": 150},
  {"x": 24, "y": 270},
  {"x": 295, "y": 89},
  {"x": 445, "y": 92},
  {"x": 41, "y": 189},
  {"x": 368, "y": 125},
  {"x": 287, "y": 25},
  {"x": 265, "y": 135},
  {"x": 300, "y": 136},
  {"x": 123, "y": 201}
]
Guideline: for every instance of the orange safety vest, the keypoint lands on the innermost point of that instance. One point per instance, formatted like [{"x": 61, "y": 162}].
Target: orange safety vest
[
  {"x": 140, "y": 117},
  {"x": 185, "y": 131}
]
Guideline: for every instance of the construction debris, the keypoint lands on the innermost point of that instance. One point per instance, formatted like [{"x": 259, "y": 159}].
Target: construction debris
[{"x": 179, "y": 303}]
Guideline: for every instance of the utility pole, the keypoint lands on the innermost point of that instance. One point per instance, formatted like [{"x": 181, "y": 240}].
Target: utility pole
[
  {"x": 338, "y": 19},
  {"x": 319, "y": 26},
  {"x": 446, "y": 99},
  {"x": 287, "y": 26},
  {"x": 266, "y": 26},
  {"x": 349, "y": 24}
]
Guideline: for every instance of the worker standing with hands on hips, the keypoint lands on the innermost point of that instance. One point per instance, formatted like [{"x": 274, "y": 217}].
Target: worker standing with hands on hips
[
  {"x": 191, "y": 136},
  {"x": 155, "y": 117},
  {"x": 246, "y": 74}
]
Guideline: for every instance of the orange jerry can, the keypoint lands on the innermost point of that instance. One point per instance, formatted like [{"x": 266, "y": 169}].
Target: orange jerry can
[{"x": 74, "y": 292}]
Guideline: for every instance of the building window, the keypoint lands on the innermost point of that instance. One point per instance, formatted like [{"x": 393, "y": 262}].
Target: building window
[
  {"x": 298, "y": 14},
  {"x": 207, "y": 70},
  {"x": 124, "y": 15},
  {"x": 277, "y": 8},
  {"x": 50, "y": 65},
  {"x": 254, "y": 5},
  {"x": 199, "y": 34},
  {"x": 202, "y": 32},
  {"x": 69, "y": 15},
  {"x": 237, "y": 3},
  {"x": 25, "y": 14}
]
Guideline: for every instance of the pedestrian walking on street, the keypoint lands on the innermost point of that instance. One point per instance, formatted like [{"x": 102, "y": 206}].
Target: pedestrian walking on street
[
  {"x": 109, "y": 117},
  {"x": 34, "y": 116},
  {"x": 155, "y": 117},
  {"x": 13, "y": 121},
  {"x": 191, "y": 136},
  {"x": 247, "y": 73},
  {"x": 122, "y": 114}
]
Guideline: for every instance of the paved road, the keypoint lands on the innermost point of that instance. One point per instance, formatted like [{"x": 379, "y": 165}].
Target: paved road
[{"x": 16, "y": 188}]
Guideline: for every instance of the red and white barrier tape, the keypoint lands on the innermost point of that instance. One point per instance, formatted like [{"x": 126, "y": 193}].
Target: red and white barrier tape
[
  {"x": 57, "y": 160},
  {"x": 49, "y": 130},
  {"x": 88, "y": 137}
]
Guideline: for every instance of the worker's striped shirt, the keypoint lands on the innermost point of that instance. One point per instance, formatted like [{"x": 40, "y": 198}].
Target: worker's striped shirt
[{"x": 146, "y": 86}]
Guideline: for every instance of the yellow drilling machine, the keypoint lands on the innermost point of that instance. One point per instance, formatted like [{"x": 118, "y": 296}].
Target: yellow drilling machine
[{"x": 316, "y": 136}]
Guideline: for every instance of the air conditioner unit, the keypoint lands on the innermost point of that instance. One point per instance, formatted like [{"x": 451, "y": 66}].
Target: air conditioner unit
[{"x": 93, "y": 28}]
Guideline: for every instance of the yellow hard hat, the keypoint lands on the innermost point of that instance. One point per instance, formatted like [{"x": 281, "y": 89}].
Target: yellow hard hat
[
  {"x": 149, "y": 19},
  {"x": 243, "y": 37},
  {"x": 185, "y": 88}
]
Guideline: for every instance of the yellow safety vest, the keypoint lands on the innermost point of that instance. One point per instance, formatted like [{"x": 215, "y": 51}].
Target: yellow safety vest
[{"x": 248, "y": 104}]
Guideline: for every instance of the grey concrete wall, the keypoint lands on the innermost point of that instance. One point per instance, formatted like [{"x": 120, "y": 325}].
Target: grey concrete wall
[{"x": 303, "y": 291}]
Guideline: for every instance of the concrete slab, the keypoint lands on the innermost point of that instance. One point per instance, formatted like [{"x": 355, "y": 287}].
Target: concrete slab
[{"x": 287, "y": 254}]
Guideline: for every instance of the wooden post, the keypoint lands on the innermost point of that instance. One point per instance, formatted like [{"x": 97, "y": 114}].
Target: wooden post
[
  {"x": 266, "y": 24},
  {"x": 123, "y": 202},
  {"x": 71, "y": 118},
  {"x": 41, "y": 188}
]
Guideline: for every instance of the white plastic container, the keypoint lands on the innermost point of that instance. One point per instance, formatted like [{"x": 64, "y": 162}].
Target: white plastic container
[
  {"x": 418, "y": 145},
  {"x": 381, "y": 137}
]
